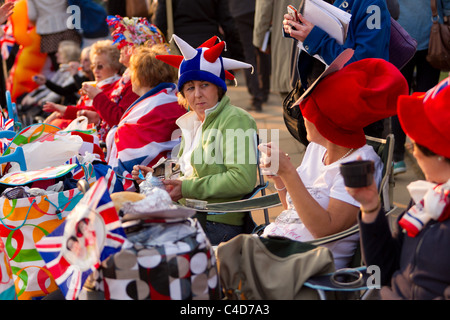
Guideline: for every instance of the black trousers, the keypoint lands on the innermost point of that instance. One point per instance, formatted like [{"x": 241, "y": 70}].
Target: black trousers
[{"x": 258, "y": 83}]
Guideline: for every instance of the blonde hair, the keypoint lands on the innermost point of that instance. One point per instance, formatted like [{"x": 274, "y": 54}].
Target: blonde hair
[
  {"x": 110, "y": 50},
  {"x": 69, "y": 50},
  {"x": 147, "y": 71}
]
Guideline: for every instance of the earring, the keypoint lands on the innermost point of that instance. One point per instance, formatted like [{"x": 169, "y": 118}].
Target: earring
[{"x": 440, "y": 158}]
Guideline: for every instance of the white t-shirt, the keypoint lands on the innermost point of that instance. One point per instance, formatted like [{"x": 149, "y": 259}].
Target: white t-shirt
[{"x": 323, "y": 182}]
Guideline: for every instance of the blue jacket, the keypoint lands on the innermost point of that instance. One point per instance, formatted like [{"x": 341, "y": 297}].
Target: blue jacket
[
  {"x": 415, "y": 17},
  {"x": 368, "y": 32}
]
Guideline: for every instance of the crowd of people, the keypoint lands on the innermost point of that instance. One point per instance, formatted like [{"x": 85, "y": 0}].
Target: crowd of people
[{"x": 149, "y": 102}]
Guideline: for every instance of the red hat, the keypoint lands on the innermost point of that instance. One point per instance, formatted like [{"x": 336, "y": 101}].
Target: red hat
[
  {"x": 425, "y": 117},
  {"x": 346, "y": 101}
]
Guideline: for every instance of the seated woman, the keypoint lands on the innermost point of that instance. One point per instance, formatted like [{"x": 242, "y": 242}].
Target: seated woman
[
  {"x": 106, "y": 67},
  {"x": 217, "y": 151},
  {"x": 145, "y": 131},
  {"x": 80, "y": 72},
  {"x": 414, "y": 259},
  {"x": 128, "y": 34},
  {"x": 336, "y": 111},
  {"x": 68, "y": 51}
]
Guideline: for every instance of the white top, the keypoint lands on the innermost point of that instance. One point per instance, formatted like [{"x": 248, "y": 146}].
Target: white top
[
  {"x": 191, "y": 129},
  {"x": 323, "y": 182},
  {"x": 50, "y": 16}
]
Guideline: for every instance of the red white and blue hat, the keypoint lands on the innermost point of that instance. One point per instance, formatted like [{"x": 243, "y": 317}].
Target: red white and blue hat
[{"x": 204, "y": 63}]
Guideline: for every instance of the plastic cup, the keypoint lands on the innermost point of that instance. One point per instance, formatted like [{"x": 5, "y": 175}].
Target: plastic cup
[{"x": 357, "y": 174}]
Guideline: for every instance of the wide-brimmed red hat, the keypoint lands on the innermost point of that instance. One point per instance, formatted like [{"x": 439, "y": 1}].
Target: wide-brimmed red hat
[
  {"x": 425, "y": 117},
  {"x": 346, "y": 101}
]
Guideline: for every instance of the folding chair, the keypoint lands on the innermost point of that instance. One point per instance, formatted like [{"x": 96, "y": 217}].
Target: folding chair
[
  {"x": 383, "y": 147},
  {"x": 354, "y": 283},
  {"x": 249, "y": 202}
]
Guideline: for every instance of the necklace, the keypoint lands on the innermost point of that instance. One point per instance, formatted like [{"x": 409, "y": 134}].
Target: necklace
[{"x": 345, "y": 155}]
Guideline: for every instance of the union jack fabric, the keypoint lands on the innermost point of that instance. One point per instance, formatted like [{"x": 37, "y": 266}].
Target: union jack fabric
[
  {"x": 7, "y": 41},
  {"x": 146, "y": 132},
  {"x": 70, "y": 252},
  {"x": 100, "y": 169}
]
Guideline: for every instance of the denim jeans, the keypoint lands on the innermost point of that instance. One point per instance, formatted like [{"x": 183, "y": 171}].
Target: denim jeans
[{"x": 221, "y": 232}]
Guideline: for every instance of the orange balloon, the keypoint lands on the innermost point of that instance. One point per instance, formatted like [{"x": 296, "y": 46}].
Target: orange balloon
[{"x": 29, "y": 60}]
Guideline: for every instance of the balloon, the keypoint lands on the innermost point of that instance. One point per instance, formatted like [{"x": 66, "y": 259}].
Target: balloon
[{"x": 29, "y": 60}]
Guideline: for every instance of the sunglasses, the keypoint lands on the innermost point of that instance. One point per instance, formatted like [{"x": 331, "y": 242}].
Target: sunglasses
[{"x": 99, "y": 67}]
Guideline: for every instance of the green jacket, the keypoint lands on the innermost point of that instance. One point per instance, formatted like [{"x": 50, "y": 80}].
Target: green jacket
[{"x": 224, "y": 162}]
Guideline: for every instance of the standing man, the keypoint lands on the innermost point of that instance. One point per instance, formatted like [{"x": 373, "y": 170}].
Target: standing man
[{"x": 258, "y": 83}]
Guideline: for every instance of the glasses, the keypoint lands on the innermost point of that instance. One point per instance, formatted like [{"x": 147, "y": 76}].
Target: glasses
[{"x": 99, "y": 67}]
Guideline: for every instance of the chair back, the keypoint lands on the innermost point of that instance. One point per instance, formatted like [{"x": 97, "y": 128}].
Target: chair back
[{"x": 385, "y": 150}]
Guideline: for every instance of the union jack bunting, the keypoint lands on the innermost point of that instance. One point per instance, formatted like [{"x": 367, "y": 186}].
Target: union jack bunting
[{"x": 90, "y": 234}]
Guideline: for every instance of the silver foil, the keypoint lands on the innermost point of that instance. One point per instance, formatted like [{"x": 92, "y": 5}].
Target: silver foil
[{"x": 155, "y": 199}]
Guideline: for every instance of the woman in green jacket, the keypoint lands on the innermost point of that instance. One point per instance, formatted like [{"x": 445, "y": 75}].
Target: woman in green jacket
[{"x": 217, "y": 154}]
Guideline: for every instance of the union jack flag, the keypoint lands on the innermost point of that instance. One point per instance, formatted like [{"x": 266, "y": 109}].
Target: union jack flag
[
  {"x": 90, "y": 234},
  {"x": 146, "y": 132},
  {"x": 431, "y": 94}
]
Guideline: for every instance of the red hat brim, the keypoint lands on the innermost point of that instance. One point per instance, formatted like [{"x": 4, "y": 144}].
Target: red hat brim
[{"x": 420, "y": 127}]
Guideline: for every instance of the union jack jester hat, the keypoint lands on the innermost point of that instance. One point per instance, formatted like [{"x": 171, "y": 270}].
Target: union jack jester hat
[{"x": 204, "y": 63}]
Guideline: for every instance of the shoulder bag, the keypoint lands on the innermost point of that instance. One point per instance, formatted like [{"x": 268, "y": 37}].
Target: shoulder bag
[{"x": 439, "y": 45}]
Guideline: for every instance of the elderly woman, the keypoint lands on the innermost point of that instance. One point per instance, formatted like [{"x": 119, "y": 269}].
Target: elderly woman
[
  {"x": 68, "y": 51},
  {"x": 414, "y": 263},
  {"x": 129, "y": 34},
  {"x": 217, "y": 152},
  {"x": 80, "y": 72},
  {"x": 105, "y": 66},
  {"x": 144, "y": 134},
  {"x": 314, "y": 196}
]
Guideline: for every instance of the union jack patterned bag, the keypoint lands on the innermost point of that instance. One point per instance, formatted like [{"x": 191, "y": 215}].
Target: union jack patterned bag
[{"x": 90, "y": 234}]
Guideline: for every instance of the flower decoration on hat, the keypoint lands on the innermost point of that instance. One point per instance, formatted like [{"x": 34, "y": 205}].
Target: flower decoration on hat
[
  {"x": 204, "y": 63},
  {"x": 134, "y": 31}
]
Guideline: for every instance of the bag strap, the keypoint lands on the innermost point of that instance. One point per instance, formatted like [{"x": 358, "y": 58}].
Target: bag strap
[
  {"x": 434, "y": 11},
  {"x": 169, "y": 13}
]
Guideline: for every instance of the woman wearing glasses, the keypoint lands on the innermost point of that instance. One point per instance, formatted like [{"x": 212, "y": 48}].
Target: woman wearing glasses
[{"x": 129, "y": 34}]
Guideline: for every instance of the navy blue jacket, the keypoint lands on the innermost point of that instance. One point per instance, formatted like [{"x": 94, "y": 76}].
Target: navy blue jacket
[{"x": 411, "y": 267}]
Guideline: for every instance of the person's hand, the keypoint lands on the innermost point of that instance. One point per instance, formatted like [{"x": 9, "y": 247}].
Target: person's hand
[
  {"x": 368, "y": 198},
  {"x": 92, "y": 116},
  {"x": 54, "y": 107},
  {"x": 73, "y": 67},
  {"x": 140, "y": 168},
  {"x": 276, "y": 161},
  {"x": 90, "y": 90},
  {"x": 298, "y": 30},
  {"x": 39, "y": 79},
  {"x": 173, "y": 187},
  {"x": 28, "y": 100},
  {"x": 6, "y": 11}
]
